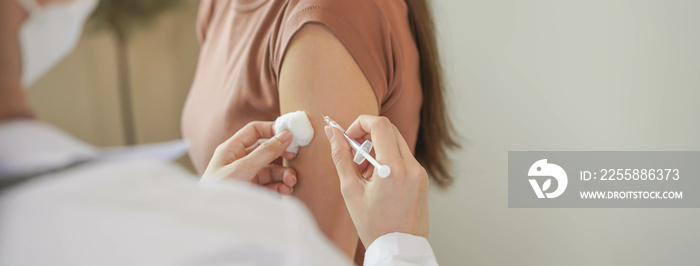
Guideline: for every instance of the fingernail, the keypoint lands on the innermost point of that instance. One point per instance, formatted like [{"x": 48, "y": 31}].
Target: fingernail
[
  {"x": 329, "y": 132},
  {"x": 285, "y": 190},
  {"x": 284, "y": 135},
  {"x": 286, "y": 179},
  {"x": 289, "y": 155}
]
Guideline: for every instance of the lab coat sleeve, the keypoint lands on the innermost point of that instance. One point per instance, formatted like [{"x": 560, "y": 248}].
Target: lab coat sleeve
[
  {"x": 400, "y": 249},
  {"x": 31, "y": 146}
]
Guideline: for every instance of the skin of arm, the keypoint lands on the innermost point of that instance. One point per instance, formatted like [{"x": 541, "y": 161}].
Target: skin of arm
[{"x": 318, "y": 75}]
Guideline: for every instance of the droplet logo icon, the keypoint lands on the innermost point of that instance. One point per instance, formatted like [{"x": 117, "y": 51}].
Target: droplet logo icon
[{"x": 542, "y": 168}]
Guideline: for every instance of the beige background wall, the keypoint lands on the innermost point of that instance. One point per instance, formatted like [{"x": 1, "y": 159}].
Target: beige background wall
[
  {"x": 81, "y": 95},
  {"x": 523, "y": 75},
  {"x": 565, "y": 75}
]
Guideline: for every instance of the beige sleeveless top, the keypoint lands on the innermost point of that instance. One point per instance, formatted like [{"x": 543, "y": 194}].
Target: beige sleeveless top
[{"x": 242, "y": 45}]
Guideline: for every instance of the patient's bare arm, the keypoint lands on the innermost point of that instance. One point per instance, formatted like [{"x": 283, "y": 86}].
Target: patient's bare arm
[{"x": 318, "y": 75}]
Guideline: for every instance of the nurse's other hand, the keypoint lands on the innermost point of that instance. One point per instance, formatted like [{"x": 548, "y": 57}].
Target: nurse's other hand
[
  {"x": 248, "y": 156},
  {"x": 378, "y": 206}
]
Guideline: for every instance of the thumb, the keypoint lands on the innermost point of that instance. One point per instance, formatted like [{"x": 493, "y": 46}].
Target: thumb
[
  {"x": 342, "y": 158},
  {"x": 267, "y": 152}
]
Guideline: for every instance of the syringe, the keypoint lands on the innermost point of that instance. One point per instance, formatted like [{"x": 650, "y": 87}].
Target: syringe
[{"x": 362, "y": 151}]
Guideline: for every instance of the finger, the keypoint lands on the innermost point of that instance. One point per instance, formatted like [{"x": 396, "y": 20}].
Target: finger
[
  {"x": 254, "y": 146},
  {"x": 250, "y": 134},
  {"x": 355, "y": 130},
  {"x": 365, "y": 167},
  {"x": 289, "y": 155},
  {"x": 289, "y": 177},
  {"x": 268, "y": 151},
  {"x": 342, "y": 157},
  {"x": 382, "y": 133},
  {"x": 276, "y": 173},
  {"x": 403, "y": 146},
  {"x": 367, "y": 172},
  {"x": 280, "y": 188},
  {"x": 225, "y": 154}
]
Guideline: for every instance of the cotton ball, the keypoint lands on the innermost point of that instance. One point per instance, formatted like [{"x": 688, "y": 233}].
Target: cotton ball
[{"x": 300, "y": 126}]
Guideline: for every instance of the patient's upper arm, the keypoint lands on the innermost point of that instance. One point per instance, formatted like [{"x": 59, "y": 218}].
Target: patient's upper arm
[{"x": 319, "y": 75}]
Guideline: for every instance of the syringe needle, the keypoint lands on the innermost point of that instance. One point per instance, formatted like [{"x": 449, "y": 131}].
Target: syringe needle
[{"x": 383, "y": 170}]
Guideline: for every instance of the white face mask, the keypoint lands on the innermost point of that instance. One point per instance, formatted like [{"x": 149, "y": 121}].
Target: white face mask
[{"x": 50, "y": 34}]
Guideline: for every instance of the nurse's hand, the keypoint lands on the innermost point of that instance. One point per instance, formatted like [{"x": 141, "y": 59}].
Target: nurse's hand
[
  {"x": 378, "y": 206},
  {"x": 248, "y": 156}
]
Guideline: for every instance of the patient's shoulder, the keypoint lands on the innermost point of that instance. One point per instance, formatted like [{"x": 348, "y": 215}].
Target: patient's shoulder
[
  {"x": 339, "y": 5},
  {"x": 360, "y": 25}
]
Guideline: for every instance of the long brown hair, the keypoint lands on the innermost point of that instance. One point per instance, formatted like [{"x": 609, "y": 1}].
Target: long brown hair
[{"x": 435, "y": 134}]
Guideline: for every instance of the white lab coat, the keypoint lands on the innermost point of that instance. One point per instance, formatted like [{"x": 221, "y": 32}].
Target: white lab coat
[{"x": 137, "y": 210}]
